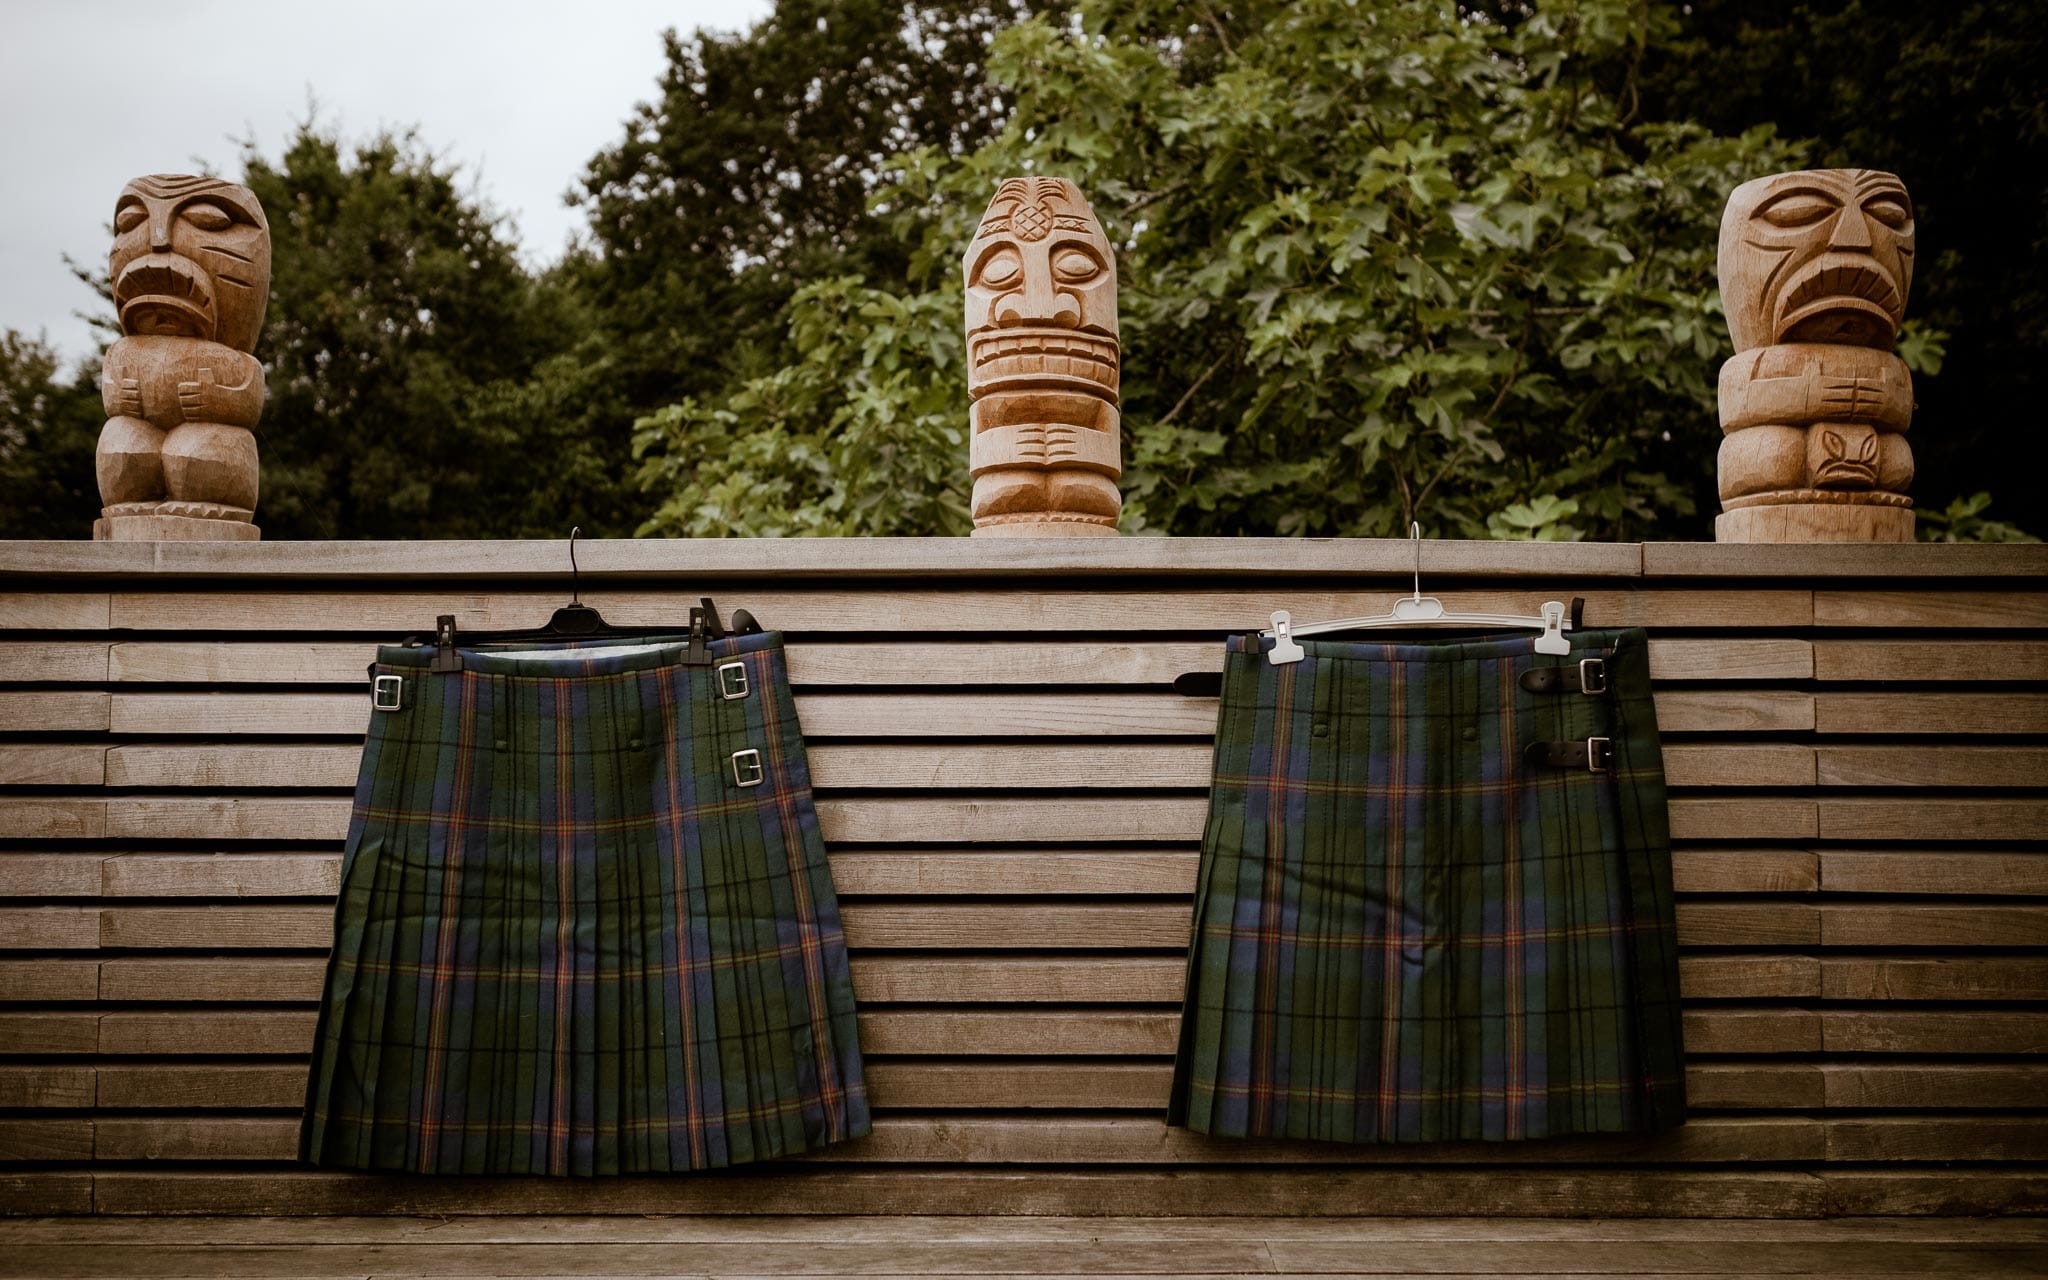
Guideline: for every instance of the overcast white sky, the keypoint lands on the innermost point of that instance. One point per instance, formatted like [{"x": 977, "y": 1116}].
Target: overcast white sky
[{"x": 95, "y": 92}]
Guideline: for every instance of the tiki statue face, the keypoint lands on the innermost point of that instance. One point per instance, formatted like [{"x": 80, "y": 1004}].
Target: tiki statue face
[
  {"x": 1822, "y": 256},
  {"x": 1041, "y": 298},
  {"x": 191, "y": 259}
]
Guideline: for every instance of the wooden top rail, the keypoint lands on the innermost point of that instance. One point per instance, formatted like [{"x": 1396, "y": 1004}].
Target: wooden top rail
[{"x": 706, "y": 559}]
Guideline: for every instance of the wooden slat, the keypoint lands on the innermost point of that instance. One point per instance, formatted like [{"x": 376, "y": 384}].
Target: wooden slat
[
  {"x": 57, "y": 764},
  {"x": 289, "y": 875},
  {"x": 1807, "y": 561},
  {"x": 1938, "y": 1138},
  {"x": 30, "y": 875},
  {"x": 1212, "y": 612},
  {"x": 276, "y": 978},
  {"x": 44, "y": 610},
  {"x": 1739, "y": 764},
  {"x": 1929, "y": 661},
  {"x": 56, "y": 710},
  {"x": 1947, "y": 765},
  {"x": 52, "y": 818},
  {"x": 1946, "y": 978},
  {"x": 820, "y": 662},
  {"x": 41, "y": 1033},
  {"x": 53, "y": 661},
  {"x": 213, "y": 1086},
  {"x": 46, "y": 1139},
  {"x": 48, "y": 979},
  {"x": 1725, "y": 711},
  {"x": 49, "y": 928},
  {"x": 1757, "y": 818},
  {"x": 1919, "y": 925},
  {"x": 1934, "y": 872},
  {"x": 1720, "y": 977},
  {"x": 2006, "y": 609},
  {"x": 1115, "y": 1140},
  {"x": 1843, "y": 818},
  {"x": 1922, "y": 1086},
  {"x": 1897, "y": 713},
  {"x": 1975, "y": 1032},
  {"x": 51, "y": 1086},
  {"x": 1745, "y": 870}
]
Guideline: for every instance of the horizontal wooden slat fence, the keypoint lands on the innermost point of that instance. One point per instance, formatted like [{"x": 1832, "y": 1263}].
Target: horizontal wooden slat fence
[{"x": 1856, "y": 740}]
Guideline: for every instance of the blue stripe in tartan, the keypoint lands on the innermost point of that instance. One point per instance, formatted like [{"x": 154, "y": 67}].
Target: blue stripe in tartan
[{"x": 1405, "y": 933}]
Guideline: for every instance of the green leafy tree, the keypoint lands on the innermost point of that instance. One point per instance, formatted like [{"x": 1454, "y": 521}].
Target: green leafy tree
[
  {"x": 49, "y": 423},
  {"x": 1379, "y": 263},
  {"x": 415, "y": 379}
]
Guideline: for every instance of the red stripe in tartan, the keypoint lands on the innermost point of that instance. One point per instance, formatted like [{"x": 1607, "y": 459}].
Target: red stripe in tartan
[
  {"x": 831, "y": 1094},
  {"x": 693, "y": 1120},
  {"x": 1397, "y": 834},
  {"x": 454, "y": 833},
  {"x": 565, "y": 955}
]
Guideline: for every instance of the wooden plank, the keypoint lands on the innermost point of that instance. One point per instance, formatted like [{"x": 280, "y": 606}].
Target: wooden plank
[
  {"x": 45, "y": 1139},
  {"x": 56, "y": 710},
  {"x": 1004, "y": 1031},
  {"x": 214, "y": 1086},
  {"x": 46, "y": 1086},
  {"x": 1740, "y": 977},
  {"x": 1897, "y": 713},
  {"x": 40, "y": 1033},
  {"x": 1206, "y": 611},
  {"x": 1750, "y": 818},
  {"x": 52, "y": 764},
  {"x": 1063, "y": 1140},
  {"x": 46, "y": 1192},
  {"x": 2007, "y": 610},
  {"x": 271, "y": 979},
  {"x": 1960, "y": 1031},
  {"x": 1734, "y": 711},
  {"x": 1752, "y": 1086},
  {"x": 1938, "y": 1138},
  {"x": 836, "y": 559},
  {"x": 239, "y": 818},
  {"x": 1745, "y": 870},
  {"x": 833, "y": 663},
  {"x": 1845, "y": 818},
  {"x": 886, "y": 1190},
  {"x": 1934, "y": 1191},
  {"x": 221, "y": 767},
  {"x": 48, "y": 979},
  {"x": 1584, "y": 1259},
  {"x": 61, "y": 875},
  {"x": 221, "y": 875},
  {"x": 1942, "y": 978},
  {"x": 211, "y": 928},
  {"x": 1933, "y": 872},
  {"x": 1808, "y": 561},
  {"x": 45, "y": 610},
  {"x": 1739, "y": 764},
  {"x": 49, "y": 928},
  {"x": 1864, "y": 1086},
  {"x": 956, "y": 821},
  {"x": 1947, "y": 765},
  {"x": 947, "y": 872},
  {"x": 52, "y": 818},
  {"x": 1918, "y": 925},
  {"x": 1928, "y": 661},
  {"x": 53, "y": 661}
]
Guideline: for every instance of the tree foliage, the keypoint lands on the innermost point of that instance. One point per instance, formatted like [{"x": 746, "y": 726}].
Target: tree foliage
[
  {"x": 1379, "y": 263},
  {"x": 49, "y": 423}
]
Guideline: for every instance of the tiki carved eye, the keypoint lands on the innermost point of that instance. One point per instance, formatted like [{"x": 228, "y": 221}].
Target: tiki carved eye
[
  {"x": 129, "y": 218},
  {"x": 206, "y": 217},
  {"x": 1890, "y": 209},
  {"x": 1000, "y": 269},
  {"x": 1797, "y": 209},
  {"x": 1074, "y": 265}
]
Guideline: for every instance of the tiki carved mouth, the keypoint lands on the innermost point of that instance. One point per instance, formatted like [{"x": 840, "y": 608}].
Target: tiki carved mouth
[
  {"x": 1023, "y": 356},
  {"x": 165, "y": 293},
  {"x": 1841, "y": 297}
]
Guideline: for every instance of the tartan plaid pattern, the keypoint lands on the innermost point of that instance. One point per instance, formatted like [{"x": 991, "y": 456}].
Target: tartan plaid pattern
[
  {"x": 567, "y": 942},
  {"x": 1403, "y": 932}
]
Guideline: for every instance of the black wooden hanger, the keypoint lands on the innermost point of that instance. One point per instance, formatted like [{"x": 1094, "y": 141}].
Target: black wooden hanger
[{"x": 576, "y": 620}]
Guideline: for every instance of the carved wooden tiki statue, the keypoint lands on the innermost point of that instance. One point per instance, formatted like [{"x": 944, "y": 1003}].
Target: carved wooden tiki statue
[
  {"x": 191, "y": 273},
  {"x": 1815, "y": 268},
  {"x": 1042, "y": 365}
]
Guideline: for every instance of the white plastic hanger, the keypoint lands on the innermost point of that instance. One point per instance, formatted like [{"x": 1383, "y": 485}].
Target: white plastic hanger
[{"x": 1419, "y": 610}]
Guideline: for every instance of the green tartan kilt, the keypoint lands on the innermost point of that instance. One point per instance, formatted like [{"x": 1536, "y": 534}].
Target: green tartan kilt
[
  {"x": 586, "y": 924},
  {"x": 1406, "y": 929}
]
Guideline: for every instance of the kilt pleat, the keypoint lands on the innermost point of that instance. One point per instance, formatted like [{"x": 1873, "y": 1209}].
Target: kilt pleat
[
  {"x": 1406, "y": 931},
  {"x": 567, "y": 941}
]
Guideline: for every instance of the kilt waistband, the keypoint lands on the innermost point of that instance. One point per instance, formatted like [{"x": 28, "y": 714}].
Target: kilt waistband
[
  {"x": 559, "y": 659},
  {"x": 1477, "y": 649}
]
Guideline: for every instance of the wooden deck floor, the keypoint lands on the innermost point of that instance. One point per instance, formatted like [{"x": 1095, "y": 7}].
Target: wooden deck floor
[{"x": 398, "y": 1248}]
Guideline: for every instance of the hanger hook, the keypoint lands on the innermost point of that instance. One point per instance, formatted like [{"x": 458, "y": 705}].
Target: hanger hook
[
  {"x": 575, "y": 580},
  {"x": 1415, "y": 540}
]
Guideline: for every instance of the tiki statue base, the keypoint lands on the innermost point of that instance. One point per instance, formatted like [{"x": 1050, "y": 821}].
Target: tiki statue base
[
  {"x": 154, "y": 528},
  {"x": 1815, "y": 522}
]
